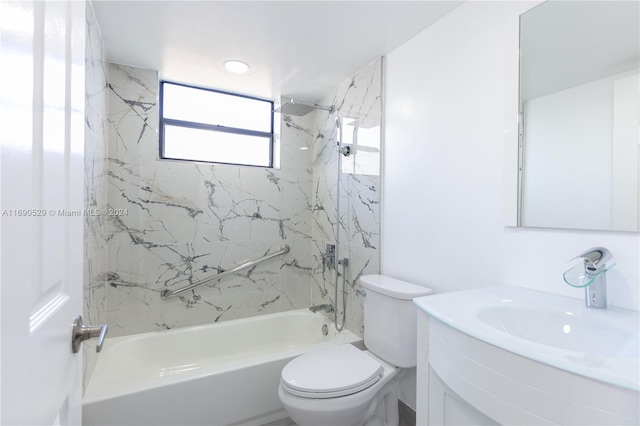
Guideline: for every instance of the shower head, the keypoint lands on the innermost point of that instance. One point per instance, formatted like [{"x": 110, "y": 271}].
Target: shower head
[
  {"x": 290, "y": 108},
  {"x": 300, "y": 108}
]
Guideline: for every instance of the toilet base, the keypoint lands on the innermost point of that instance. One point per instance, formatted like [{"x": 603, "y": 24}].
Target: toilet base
[
  {"x": 382, "y": 410},
  {"x": 374, "y": 406}
]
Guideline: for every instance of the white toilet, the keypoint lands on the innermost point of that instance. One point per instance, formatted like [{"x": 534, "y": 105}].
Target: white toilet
[{"x": 343, "y": 385}]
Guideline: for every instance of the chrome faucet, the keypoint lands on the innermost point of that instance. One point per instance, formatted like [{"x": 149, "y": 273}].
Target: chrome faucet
[
  {"x": 329, "y": 258},
  {"x": 326, "y": 308},
  {"x": 595, "y": 264}
]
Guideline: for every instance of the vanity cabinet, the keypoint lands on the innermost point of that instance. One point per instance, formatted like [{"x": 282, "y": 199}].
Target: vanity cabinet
[
  {"x": 447, "y": 408},
  {"x": 437, "y": 404},
  {"x": 462, "y": 380}
]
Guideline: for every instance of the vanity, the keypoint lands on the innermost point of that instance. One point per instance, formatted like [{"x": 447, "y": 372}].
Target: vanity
[{"x": 510, "y": 355}]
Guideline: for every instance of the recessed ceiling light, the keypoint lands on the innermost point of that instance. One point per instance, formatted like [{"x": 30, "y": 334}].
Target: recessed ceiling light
[{"x": 236, "y": 67}]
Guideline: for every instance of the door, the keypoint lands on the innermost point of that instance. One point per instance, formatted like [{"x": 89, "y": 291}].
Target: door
[{"x": 42, "y": 182}]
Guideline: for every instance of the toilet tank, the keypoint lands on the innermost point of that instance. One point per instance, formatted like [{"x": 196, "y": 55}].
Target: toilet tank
[{"x": 390, "y": 318}]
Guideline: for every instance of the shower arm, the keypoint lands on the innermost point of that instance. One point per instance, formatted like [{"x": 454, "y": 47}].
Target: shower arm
[
  {"x": 172, "y": 293},
  {"x": 329, "y": 109},
  {"x": 301, "y": 108}
]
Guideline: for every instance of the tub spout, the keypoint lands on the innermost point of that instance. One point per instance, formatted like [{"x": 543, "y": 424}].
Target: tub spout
[{"x": 326, "y": 308}]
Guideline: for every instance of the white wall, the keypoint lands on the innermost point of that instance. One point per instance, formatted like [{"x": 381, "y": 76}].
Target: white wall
[{"x": 447, "y": 96}]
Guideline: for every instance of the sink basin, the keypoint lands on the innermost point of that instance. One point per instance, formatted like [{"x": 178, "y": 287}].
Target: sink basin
[
  {"x": 602, "y": 344},
  {"x": 597, "y": 335}
]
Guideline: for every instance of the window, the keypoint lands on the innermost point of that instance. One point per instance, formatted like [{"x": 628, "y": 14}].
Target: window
[{"x": 208, "y": 125}]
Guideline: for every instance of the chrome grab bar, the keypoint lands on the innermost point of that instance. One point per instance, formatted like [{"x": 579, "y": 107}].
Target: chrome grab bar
[{"x": 171, "y": 293}]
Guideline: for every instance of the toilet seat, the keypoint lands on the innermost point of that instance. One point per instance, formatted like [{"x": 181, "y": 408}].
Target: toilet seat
[{"x": 329, "y": 373}]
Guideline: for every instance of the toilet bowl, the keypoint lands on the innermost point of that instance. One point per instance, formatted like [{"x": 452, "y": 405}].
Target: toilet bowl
[
  {"x": 341, "y": 386},
  {"x": 344, "y": 385}
]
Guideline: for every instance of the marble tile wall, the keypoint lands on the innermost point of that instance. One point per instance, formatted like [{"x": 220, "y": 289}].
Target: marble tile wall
[
  {"x": 358, "y": 105},
  {"x": 181, "y": 222},
  {"x": 184, "y": 221},
  {"x": 95, "y": 242}
]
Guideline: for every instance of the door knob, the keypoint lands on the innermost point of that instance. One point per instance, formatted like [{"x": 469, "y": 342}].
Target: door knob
[{"x": 82, "y": 332}]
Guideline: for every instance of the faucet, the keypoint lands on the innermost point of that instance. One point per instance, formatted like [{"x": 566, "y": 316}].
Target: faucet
[
  {"x": 329, "y": 257},
  {"x": 595, "y": 264},
  {"x": 326, "y": 308}
]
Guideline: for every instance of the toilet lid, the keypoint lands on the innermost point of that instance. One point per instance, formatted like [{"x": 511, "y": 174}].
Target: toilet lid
[{"x": 332, "y": 372}]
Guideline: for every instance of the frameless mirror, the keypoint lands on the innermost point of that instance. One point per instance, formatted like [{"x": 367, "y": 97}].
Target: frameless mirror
[{"x": 579, "y": 115}]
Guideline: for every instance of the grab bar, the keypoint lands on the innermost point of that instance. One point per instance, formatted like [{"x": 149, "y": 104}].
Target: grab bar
[{"x": 171, "y": 293}]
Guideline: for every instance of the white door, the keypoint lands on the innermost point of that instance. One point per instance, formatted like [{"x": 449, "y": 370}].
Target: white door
[{"x": 42, "y": 136}]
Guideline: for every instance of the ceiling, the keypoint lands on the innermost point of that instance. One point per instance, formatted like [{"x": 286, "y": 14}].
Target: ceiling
[{"x": 301, "y": 49}]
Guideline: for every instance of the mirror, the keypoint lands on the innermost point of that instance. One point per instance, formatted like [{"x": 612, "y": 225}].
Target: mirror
[{"x": 579, "y": 109}]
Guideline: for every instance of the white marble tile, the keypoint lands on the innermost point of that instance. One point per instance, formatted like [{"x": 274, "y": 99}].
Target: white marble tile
[
  {"x": 242, "y": 203},
  {"x": 297, "y": 138},
  {"x": 325, "y": 179},
  {"x": 95, "y": 136},
  {"x": 358, "y": 102},
  {"x": 362, "y": 261},
  {"x": 133, "y": 112},
  {"x": 362, "y": 222},
  {"x": 95, "y": 270},
  {"x": 138, "y": 275},
  {"x": 297, "y": 275},
  {"x": 185, "y": 221},
  {"x": 297, "y": 204},
  {"x": 160, "y": 203},
  {"x": 95, "y": 173}
]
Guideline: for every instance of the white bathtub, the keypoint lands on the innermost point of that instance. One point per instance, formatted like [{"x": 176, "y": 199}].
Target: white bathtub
[{"x": 217, "y": 374}]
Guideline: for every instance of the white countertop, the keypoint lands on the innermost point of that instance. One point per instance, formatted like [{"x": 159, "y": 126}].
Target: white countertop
[{"x": 602, "y": 344}]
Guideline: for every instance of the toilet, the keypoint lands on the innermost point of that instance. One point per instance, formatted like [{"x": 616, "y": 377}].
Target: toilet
[{"x": 343, "y": 385}]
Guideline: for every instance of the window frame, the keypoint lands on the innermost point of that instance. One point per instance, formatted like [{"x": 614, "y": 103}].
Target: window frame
[{"x": 213, "y": 127}]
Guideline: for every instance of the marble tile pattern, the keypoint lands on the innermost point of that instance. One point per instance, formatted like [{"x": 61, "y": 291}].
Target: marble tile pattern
[
  {"x": 357, "y": 226},
  {"x": 182, "y": 222},
  {"x": 95, "y": 235}
]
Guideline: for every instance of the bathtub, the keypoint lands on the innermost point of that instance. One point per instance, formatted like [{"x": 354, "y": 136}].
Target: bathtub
[{"x": 215, "y": 374}]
